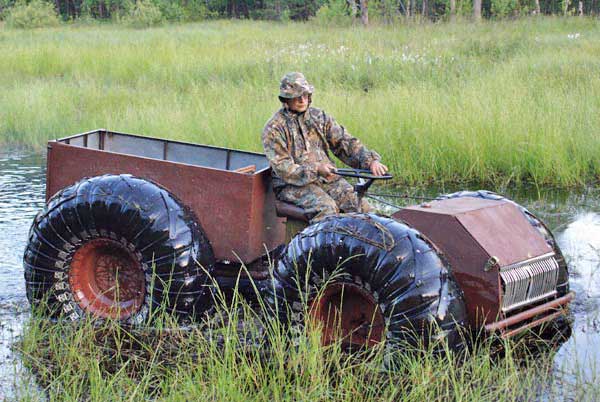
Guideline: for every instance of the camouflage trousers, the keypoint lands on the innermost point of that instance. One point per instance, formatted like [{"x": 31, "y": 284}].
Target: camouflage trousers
[{"x": 322, "y": 199}]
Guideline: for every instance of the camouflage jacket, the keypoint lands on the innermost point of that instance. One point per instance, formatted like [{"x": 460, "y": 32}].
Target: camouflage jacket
[{"x": 295, "y": 142}]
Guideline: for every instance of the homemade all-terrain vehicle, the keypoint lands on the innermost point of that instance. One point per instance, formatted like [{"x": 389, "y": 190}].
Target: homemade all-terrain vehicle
[{"x": 133, "y": 222}]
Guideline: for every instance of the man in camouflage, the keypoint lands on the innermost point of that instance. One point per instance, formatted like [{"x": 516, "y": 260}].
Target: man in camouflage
[{"x": 297, "y": 141}]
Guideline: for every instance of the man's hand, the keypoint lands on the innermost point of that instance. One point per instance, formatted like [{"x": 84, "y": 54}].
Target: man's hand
[
  {"x": 326, "y": 170},
  {"x": 378, "y": 168}
]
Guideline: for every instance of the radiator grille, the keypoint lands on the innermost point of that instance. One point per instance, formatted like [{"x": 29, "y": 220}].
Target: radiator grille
[{"x": 528, "y": 281}]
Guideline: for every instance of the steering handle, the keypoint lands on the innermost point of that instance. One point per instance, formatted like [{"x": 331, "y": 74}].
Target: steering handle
[
  {"x": 361, "y": 187},
  {"x": 361, "y": 174}
]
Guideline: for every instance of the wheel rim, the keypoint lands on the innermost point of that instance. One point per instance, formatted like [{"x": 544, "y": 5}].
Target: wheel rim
[
  {"x": 349, "y": 313},
  {"x": 107, "y": 279}
]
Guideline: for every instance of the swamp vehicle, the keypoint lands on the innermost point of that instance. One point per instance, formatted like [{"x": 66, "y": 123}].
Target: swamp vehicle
[{"x": 133, "y": 223}]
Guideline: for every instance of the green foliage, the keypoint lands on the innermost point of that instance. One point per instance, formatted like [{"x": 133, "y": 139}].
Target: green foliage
[
  {"x": 184, "y": 10},
  {"x": 463, "y": 8},
  {"x": 505, "y": 8},
  {"x": 334, "y": 12},
  {"x": 172, "y": 11},
  {"x": 386, "y": 11},
  {"x": 239, "y": 354},
  {"x": 144, "y": 14},
  {"x": 196, "y": 10},
  {"x": 5, "y": 5},
  {"x": 36, "y": 14}
]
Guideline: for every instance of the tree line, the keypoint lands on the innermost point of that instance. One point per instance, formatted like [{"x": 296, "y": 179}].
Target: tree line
[{"x": 350, "y": 10}]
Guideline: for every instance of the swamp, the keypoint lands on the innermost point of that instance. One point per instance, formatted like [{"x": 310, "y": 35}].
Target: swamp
[
  {"x": 69, "y": 362},
  {"x": 509, "y": 106}
]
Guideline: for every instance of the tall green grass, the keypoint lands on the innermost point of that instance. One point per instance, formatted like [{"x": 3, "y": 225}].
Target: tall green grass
[
  {"x": 497, "y": 102},
  {"x": 240, "y": 355}
]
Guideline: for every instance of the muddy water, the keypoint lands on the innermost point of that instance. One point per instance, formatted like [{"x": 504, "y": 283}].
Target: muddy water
[
  {"x": 574, "y": 217},
  {"x": 22, "y": 187}
]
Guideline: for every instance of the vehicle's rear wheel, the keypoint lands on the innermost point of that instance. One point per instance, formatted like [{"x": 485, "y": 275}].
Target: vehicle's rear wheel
[
  {"x": 366, "y": 279},
  {"x": 119, "y": 247}
]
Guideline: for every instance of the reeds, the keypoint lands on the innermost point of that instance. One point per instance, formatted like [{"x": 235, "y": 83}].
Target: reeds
[
  {"x": 239, "y": 353},
  {"x": 497, "y": 102}
]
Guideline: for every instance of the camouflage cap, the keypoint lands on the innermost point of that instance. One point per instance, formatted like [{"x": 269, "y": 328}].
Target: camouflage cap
[{"x": 294, "y": 85}]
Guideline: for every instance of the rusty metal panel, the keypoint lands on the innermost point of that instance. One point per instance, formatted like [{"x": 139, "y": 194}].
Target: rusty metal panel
[
  {"x": 500, "y": 230},
  {"x": 470, "y": 231},
  {"x": 467, "y": 260},
  {"x": 265, "y": 226},
  {"x": 235, "y": 210}
]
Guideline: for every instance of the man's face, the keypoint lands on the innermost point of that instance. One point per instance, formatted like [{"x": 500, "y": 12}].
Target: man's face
[{"x": 299, "y": 104}]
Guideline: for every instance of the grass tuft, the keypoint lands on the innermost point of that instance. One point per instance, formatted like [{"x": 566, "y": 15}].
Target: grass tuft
[{"x": 238, "y": 353}]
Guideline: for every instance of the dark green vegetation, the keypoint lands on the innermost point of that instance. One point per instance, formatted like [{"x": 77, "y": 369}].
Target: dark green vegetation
[
  {"x": 504, "y": 102},
  {"x": 241, "y": 356},
  {"x": 339, "y": 11}
]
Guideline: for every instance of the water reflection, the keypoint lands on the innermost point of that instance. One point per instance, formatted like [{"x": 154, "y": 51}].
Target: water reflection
[
  {"x": 581, "y": 242},
  {"x": 22, "y": 187},
  {"x": 577, "y": 363}
]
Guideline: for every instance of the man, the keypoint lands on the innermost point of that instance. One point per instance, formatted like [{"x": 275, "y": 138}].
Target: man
[{"x": 297, "y": 141}]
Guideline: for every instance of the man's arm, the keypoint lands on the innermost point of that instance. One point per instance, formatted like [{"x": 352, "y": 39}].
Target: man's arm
[
  {"x": 346, "y": 147},
  {"x": 282, "y": 163}
]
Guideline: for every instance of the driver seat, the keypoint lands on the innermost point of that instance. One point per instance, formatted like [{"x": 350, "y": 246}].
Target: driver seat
[
  {"x": 296, "y": 218},
  {"x": 289, "y": 210}
]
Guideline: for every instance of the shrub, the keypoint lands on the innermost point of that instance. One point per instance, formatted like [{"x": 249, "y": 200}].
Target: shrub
[
  {"x": 36, "y": 14},
  {"x": 386, "y": 11},
  {"x": 196, "y": 10},
  {"x": 333, "y": 12},
  {"x": 504, "y": 8},
  {"x": 144, "y": 14},
  {"x": 4, "y": 6},
  {"x": 172, "y": 11}
]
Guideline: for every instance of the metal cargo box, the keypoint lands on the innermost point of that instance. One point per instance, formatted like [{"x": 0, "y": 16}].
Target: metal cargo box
[{"x": 234, "y": 205}]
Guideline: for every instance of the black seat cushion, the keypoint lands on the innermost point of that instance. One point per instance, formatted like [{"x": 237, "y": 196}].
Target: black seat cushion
[{"x": 288, "y": 210}]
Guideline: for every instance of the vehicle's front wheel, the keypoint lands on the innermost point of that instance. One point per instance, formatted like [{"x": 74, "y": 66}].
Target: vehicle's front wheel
[
  {"x": 367, "y": 279},
  {"x": 120, "y": 247}
]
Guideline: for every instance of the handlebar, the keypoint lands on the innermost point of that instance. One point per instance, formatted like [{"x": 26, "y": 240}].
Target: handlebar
[
  {"x": 361, "y": 174},
  {"x": 361, "y": 187}
]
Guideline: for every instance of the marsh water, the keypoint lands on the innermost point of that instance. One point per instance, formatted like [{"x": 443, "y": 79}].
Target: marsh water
[{"x": 574, "y": 217}]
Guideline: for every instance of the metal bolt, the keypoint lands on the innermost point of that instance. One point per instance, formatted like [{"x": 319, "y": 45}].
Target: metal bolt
[{"x": 491, "y": 263}]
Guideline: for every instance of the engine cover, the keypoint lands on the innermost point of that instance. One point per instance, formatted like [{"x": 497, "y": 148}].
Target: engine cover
[{"x": 500, "y": 261}]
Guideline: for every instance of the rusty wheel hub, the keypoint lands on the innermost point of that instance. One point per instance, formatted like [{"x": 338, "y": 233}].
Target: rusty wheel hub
[
  {"x": 107, "y": 279},
  {"x": 349, "y": 313}
]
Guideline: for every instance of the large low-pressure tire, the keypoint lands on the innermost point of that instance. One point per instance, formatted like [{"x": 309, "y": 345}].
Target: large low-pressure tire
[
  {"x": 386, "y": 279},
  {"x": 120, "y": 247},
  {"x": 563, "y": 272}
]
